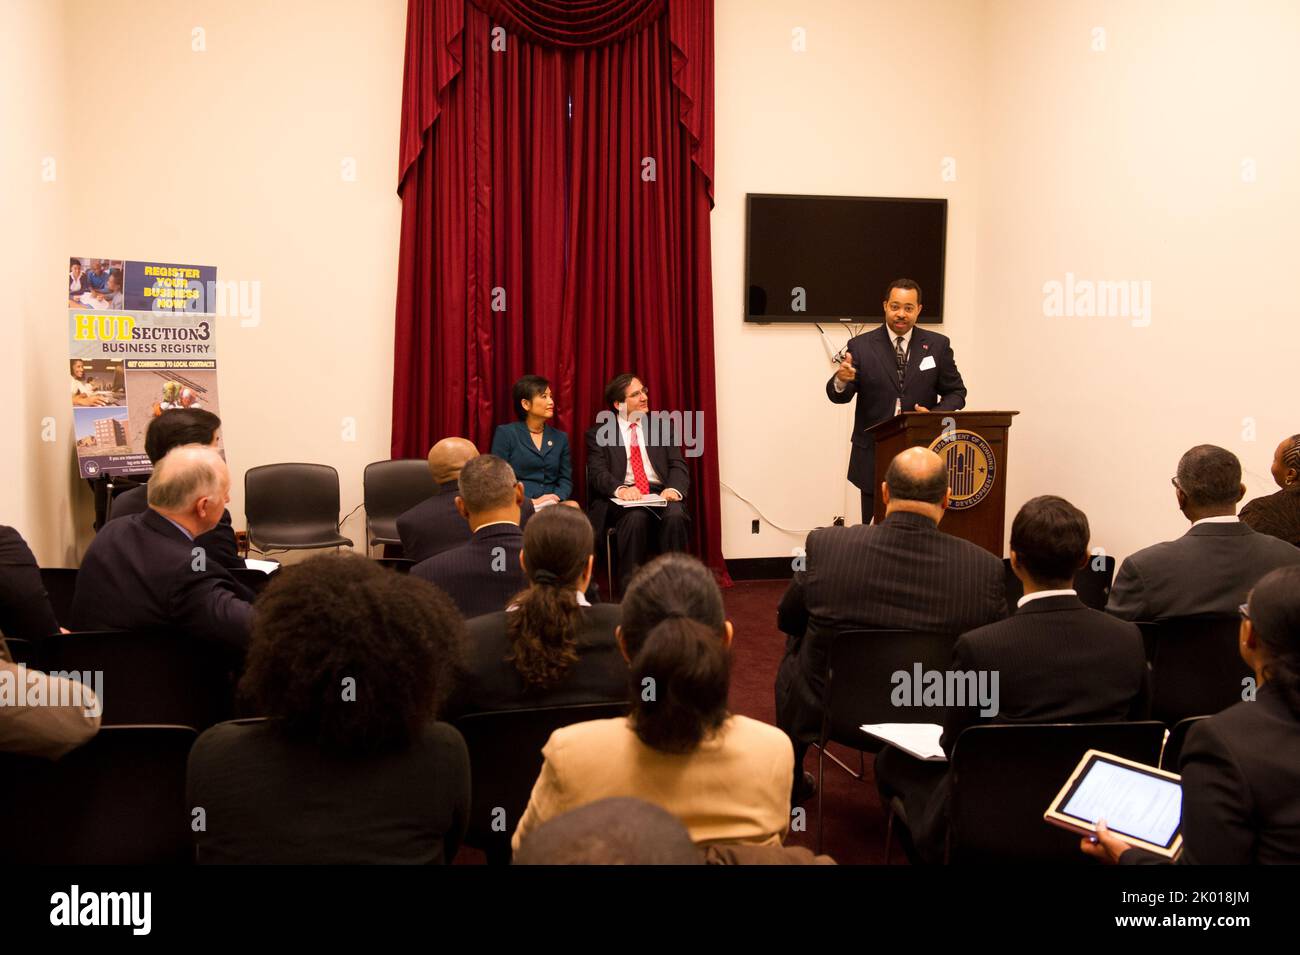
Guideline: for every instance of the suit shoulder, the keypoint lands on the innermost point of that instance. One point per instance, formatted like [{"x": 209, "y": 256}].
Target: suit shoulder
[{"x": 933, "y": 338}]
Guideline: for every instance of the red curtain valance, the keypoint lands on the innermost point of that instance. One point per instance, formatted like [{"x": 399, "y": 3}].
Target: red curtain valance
[{"x": 572, "y": 23}]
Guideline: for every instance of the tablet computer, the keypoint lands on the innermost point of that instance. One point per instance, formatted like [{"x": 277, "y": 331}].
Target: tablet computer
[{"x": 1141, "y": 804}]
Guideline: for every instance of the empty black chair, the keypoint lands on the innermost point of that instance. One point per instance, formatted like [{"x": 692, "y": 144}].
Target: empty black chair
[
  {"x": 505, "y": 758},
  {"x": 293, "y": 507},
  {"x": 1173, "y": 751},
  {"x": 390, "y": 489},
  {"x": 21, "y": 651},
  {"x": 1196, "y": 669},
  {"x": 1092, "y": 585},
  {"x": 118, "y": 800},
  {"x": 61, "y": 584},
  {"x": 149, "y": 677},
  {"x": 399, "y": 564},
  {"x": 254, "y": 580},
  {"x": 859, "y": 686},
  {"x": 1005, "y": 776}
]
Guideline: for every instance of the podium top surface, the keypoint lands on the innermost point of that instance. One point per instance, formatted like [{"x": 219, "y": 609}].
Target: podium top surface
[{"x": 928, "y": 419}]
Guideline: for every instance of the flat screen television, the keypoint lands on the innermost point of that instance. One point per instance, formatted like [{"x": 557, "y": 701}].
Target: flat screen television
[{"x": 828, "y": 258}]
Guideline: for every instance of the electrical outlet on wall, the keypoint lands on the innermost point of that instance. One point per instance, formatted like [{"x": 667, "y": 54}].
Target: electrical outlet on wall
[{"x": 753, "y": 528}]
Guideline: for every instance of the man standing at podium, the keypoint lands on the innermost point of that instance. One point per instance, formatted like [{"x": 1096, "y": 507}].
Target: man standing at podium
[{"x": 897, "y": 367}]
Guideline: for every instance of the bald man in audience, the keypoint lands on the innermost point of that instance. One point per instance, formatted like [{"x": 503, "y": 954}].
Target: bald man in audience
[
  {"x": 901, "y": 574},
  {"x": 434, "y": 525},
  {"x": 145, "y": 572},
  {"x": 1211, "y": 568}
]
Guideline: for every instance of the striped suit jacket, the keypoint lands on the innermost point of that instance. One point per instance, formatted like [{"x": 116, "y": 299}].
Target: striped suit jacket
[
  {"x": 482, "y": 574},
  {"x": 901, "y": 574}
]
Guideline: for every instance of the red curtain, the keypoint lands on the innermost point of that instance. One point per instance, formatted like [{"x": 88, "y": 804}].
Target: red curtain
[{"x": 556, "y": 179}]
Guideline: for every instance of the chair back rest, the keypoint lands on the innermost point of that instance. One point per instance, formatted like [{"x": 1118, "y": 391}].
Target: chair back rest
[
  {"x": 148, "y": 677},
  {"x": 1196, "y": 669},
  {"x": 1003, "y": 778},
  {"x": 390, "y": 488},
  {"x": 1173, "y": 750},
  {"x": 61, "y": 585},
  {"x": 21, "y": 651},
  {"x": 862, "y": 686},
  {"x": 296, "y": 496},
  {"x": 505, "y": 756},
  {"x": 117, "y": 800}
]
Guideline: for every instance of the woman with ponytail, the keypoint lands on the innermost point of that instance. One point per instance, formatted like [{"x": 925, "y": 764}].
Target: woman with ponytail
[
  {"x": 1241, "y": 767},
  {"x": 550, "y": 647},
  {"x": 726, "y": 777}
]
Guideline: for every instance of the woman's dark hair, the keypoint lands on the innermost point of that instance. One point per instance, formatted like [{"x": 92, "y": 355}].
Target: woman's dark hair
[
  {"x": 177, "y": 426},
  {"x": 75, "y": 262},
  {"x": 671, "y": 585},
  {"x": 349, "y": 656},
  {"x": 543, "y": 627},
  {"x": 526, "y": 389},
  {"x": 74, "y": 362},
  {"x": 679, "y": 684},
  {"x": 1274, "y": 608}
]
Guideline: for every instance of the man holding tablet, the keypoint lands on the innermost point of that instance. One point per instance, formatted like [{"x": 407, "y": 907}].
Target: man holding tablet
[{"x": 897, "y": 367}]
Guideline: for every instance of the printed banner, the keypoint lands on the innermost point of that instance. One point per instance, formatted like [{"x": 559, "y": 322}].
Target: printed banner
[{"x": 142, "y": 340}]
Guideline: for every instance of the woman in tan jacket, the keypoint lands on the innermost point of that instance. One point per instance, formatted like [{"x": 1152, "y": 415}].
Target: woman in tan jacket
[{"x": 726, "y": 777}]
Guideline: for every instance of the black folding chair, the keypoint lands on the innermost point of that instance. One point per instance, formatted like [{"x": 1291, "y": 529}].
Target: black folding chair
[
  {"x": 1196, "y": 668},
  {"x": 505, "y": 756},
  {"x": 293, "y": 507},
  {"x": 1173, "y": 751},
  {"x": 859, "y": 689},
  {"x": 390, "y": 489},
  {"x": 1005, "y": 776},
  {"x": 1092, "y": 585},
  {"x": 149, "y": 677},
  {"x": 117, "y": 800},
  {"x": 61, "y": 585}
]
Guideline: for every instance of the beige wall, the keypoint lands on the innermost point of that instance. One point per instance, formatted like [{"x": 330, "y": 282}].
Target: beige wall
[{"x": 1123, "y": 164}]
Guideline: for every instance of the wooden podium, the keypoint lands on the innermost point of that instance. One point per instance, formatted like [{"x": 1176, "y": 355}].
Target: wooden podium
[{"x": 975, "y": 446}]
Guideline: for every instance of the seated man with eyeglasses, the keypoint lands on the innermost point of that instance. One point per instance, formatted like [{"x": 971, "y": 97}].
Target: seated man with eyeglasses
[
  {"x": 897, "y": 367},
  {"x": 655, "y": 465}
]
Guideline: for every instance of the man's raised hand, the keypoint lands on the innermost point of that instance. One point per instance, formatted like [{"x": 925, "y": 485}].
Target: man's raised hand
[{"x": 846, "y": 371}]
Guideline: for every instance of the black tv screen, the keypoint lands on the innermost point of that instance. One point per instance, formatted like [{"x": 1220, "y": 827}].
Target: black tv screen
[{"x": 841, "y": 251}]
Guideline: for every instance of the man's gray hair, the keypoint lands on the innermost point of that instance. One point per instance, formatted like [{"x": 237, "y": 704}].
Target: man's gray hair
[
  {"x": 1210, "y": 476},
  {"x": 184, "y": 474},
  {"x": 487, "y": 482}
]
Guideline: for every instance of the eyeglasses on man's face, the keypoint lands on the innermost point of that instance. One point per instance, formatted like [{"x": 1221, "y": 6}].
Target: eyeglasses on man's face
[
  {"x": 895, "y": 308},
  {"x": 642, "y": 391}
]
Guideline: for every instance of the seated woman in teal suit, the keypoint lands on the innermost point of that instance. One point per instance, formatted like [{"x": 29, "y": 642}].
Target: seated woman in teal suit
[{"x": 538, "y": 453}]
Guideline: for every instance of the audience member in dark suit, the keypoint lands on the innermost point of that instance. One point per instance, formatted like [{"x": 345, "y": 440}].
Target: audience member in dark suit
[
  {"x": 1278, "y": 514},
  {"x": 538, "y": 453},
  {"x": 350, "y": 664},
  {"x": 146, "y": 571},
  {"x": 551, "y": 647},
  {"x": 901, "y": 574},
  {"x": 660, "y": 468},
  {"x": 1241, "y": 775},
  {"x": 434, "y": 525},
  {"x": 1056, "y": 660},
  {"x": 1212, "y": 567},
  {"x": 482, "y": 574},
  {"x": 170, "y": 430},
  {"x": 896, "y": 367},
  {"x": 25, "y": 610}
]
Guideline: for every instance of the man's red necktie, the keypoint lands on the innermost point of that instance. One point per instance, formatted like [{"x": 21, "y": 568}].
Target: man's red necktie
[{"x": 638, "y": 466}]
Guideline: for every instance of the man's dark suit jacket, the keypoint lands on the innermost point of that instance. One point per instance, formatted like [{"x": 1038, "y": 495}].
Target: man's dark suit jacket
[
  {"x": 1057, "y": 661},
  {"x": 138, "y": 574},
  {"x": 1241, "y": 786},
  {"x": 482, "y": 574},
  {"x": 1277, "y": 514},
  {"x": 434, "y": 525},
  {"x": 273, "y": 800},
  {"x": 1210, "y": 569},
  {"x": 607, "y": 466},
  {"x": 939, "y": 389},
  {"x": 218, "y": 542},
  {"x": 901, "y": 574},
  {"x": 25, "y": 611},
  {"x": 490, "y": 682}
]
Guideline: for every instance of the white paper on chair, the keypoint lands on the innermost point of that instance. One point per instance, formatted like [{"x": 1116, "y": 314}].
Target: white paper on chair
[
  {"x": 265, "y": 566},
  {"x": 645, "y": 500},
  {"x": 919, "y": 739}
]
